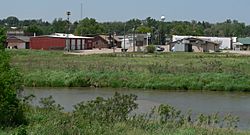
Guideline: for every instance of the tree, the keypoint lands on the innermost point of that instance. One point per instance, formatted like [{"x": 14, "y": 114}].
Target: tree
[
  {"x": 143, "y": 29},
  {"x": 11, "y": 112},
  {"x": 89, "y": 26},
  {"x": 34, "y": 29},
  {"x": 59, "y": 26},
  {"x": 2, "y": 36},
  {"x": 12, "y": 21}
]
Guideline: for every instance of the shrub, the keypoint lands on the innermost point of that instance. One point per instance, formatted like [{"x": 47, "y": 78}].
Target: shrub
[
  {"x": 11, "y": 112},
  {"x": 111, "y": 110},
  {"x": 151, "y": 49}
]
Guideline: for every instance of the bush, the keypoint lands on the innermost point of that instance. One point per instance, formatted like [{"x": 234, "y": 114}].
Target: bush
[
  {"x": 151, "y": 49},
  {"x": 11, "y": 112},
  {"x": 111, "y": 110}
]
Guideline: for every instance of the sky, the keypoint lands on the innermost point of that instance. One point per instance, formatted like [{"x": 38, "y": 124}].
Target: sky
[{"x": 122, "y": 10}]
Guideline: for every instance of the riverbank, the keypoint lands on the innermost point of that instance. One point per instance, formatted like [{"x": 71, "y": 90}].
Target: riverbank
[{"x": 166, "y": 71}]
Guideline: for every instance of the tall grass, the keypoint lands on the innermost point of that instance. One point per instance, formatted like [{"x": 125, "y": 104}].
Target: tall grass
[{"x": 182, "y": 71}]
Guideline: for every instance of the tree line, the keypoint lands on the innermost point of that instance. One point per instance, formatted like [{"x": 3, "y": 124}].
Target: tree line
[{"x": 159, "y": 30}]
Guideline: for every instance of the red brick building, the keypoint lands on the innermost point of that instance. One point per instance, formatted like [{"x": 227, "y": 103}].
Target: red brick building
[{"x": 58, "y": 41}]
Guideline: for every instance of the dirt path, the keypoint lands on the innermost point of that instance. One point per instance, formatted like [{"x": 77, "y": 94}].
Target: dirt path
[
  {"x": 94, "y": 51},
  {"x": 238, "y": 52}
]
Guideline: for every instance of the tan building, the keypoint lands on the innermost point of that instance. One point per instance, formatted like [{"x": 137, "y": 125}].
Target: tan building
[
  {"x": 194, "y": 45},
  {"x": 105, "y": 41},
  {"x": 18, "y": 42}
]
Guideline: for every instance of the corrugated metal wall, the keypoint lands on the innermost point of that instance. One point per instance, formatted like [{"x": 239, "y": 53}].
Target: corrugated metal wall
[{"x": 46, "y": 43}]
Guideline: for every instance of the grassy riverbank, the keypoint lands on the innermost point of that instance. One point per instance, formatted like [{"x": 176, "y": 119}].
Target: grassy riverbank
[
  {"x": 167, "y": 71},
  {"x": 112, "y": 117}
]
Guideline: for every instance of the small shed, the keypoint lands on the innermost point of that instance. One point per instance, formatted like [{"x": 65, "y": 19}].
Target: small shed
[
  {"x": 194, "y": 45},
  {"x": 18, "y": 42}
]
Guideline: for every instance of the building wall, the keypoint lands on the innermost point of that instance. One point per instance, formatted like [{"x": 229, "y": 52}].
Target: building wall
[
  {"x": 88, "y": 44},
  {"x": 50, "y": 43},
  {"x": 16, "y": 43},
  {"x": 208, "y": 47},
  {"x": 212, "y": 47},
  {"x": 100, "y": 43},
  {"x": 47, "y": 43},
  {"x": 225, "y": 42}
]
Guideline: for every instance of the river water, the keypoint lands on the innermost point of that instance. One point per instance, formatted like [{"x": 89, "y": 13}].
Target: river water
[{"x": 236, "y": 103}]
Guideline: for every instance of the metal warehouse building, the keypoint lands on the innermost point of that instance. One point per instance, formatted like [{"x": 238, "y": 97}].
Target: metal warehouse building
[{"x": 58, "y": 41}]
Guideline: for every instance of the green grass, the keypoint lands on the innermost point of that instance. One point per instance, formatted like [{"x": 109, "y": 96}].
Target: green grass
[{"x": 167, "y": 71}]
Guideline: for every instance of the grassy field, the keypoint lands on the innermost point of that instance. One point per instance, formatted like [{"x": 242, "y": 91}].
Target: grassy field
[{"x": 166, "y": 71}]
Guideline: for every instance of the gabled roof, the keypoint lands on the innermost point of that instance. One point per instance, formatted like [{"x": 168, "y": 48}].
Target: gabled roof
[
  {"x": 106, "y": 38},
  {"x": 193, "y": 38},
  {"x": 244, "y": 41},
  {"x": 22, "y": 38}
]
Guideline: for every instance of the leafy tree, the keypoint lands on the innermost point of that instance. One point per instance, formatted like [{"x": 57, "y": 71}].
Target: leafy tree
[
  {"x": 2, "y": 36},
  {"x": 143, "y": 29},
  {"x": 59, "y": 26},
  {"x": 11, "y": 112},
  {"x": 89, "y": 26},
  {"x": 34, "y": 29},
  {"x": 12, "y": 21},
  {"x": 113, "y": 27}
]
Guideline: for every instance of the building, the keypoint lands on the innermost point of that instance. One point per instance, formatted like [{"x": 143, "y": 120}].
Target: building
[
  {"x": 58, "y": 41},
  {"x": 243, "y": 44},
  {"x": 104, "y": 41},
  {"x": 15, "y": 32},
  {"x": 225, "y": 42},
  {"x": 140, "y": 41},
  {"x": 194, "y": 45},
  {"x": 18, "y": 42}
]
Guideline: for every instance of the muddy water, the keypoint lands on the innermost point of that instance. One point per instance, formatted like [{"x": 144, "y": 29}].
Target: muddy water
[{"x": 236, "y": 103}]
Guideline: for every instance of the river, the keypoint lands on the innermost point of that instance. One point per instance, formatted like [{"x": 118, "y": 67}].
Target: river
[{"x": 236, "y": 103}]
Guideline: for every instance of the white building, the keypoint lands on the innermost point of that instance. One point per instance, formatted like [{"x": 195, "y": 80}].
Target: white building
[{"x": 225, "y": 42}]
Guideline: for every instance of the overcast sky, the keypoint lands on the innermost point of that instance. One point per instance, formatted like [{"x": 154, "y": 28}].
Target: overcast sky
[{"x": 123, "y": 10}]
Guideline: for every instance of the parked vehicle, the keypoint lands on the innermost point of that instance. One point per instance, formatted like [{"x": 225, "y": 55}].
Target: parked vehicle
[{"x": 160, "y": 49}]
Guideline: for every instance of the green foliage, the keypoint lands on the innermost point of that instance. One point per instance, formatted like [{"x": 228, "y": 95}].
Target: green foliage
[
  {"x": 150, "y": 48},
  {"x": 166, "y": 71},
  {"x": 111, "y": 110},
  {"x": 143, "y": 29},
  {"x": 89, "y": 26},
  {"x": 11, "y": 112},
  {"x": 2, "y": 37},
  {"x": 59, "y": 26},
  {"x": 34, "y": 29},
  {"x": 12, "y": 21},
  {"x": 157, "y": 28},
  {"x": 49, "y": 104}
]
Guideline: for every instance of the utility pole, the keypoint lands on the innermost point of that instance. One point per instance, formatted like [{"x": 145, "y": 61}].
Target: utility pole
[
  {"x": 163, "y": 18},
  {"x": 134, "y": 39},
  {"x": 113, "y": 44},
  {"x": 67, "y": 38},
  {"x": 124, "y": 38},
  {"x": 81, "y": 11}
]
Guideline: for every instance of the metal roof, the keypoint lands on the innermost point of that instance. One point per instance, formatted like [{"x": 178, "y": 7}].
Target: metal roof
[
  {"x": 193, "y": 38},
  {"x": 63, "y": 35},
  {"x": 244, "y": 41},
  {"x": 22, "y": 38},
  {"x": 106, "y": 37}
]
